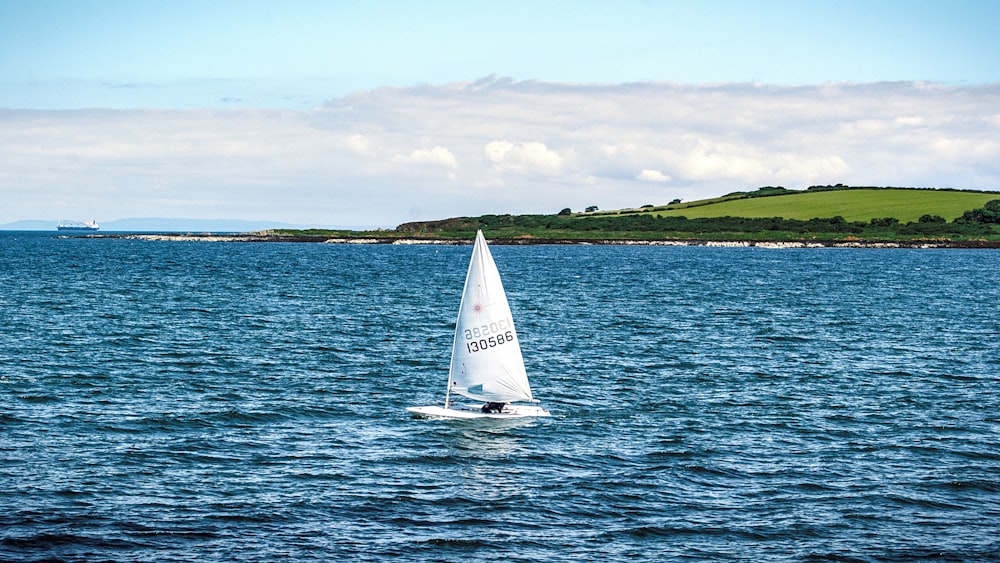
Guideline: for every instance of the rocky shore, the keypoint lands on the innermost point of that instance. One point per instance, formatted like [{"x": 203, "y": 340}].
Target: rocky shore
[{"x": 389, "y": 239}]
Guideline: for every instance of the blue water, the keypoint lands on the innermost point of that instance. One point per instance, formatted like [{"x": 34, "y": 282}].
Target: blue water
[{"x": 192, "y": 401}]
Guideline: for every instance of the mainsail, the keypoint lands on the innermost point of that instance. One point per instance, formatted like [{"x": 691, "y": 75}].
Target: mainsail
[{"x": 486, "y": 361}]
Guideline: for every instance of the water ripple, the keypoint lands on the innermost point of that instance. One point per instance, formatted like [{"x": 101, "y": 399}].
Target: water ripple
[{"x": 220, "y": 402}]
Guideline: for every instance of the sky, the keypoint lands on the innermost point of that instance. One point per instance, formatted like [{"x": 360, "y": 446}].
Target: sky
[{"x": 349, "y": 113}]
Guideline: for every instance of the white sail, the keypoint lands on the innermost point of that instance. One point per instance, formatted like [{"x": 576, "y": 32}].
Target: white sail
[{"x": 486, "y": 361}]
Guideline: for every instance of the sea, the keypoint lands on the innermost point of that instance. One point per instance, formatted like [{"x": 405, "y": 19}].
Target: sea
[{"x": 207, "y": 401}]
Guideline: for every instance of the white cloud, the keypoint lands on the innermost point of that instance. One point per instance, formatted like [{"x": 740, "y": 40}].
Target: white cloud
[
  {"x": 910, "y": 120},
  {"x": 357, "y": 143},
  {"x": 504, "y": 146},
  {"x": 523, "y": 158},
  {"x": 648, "y": 175},
  {"x": 437, "y": 156}
]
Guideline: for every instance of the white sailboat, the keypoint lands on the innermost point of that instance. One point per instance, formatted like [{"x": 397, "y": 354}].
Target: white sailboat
[{"x": 486, "y": 361}]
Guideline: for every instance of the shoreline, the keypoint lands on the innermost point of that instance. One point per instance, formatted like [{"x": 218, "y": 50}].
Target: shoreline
[{"x": 525, "y": 241}]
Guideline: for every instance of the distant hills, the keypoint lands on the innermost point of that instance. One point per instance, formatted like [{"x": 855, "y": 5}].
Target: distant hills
[{"x": 165, "y": 225}]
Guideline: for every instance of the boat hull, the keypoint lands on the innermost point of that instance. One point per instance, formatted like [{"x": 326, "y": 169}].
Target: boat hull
[
  {"x": 78, "y": 226},
  {"x": 473, "y": 411}
]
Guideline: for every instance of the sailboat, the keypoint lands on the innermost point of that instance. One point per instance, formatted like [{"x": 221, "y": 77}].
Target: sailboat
[{"x": 486, "y": 361}]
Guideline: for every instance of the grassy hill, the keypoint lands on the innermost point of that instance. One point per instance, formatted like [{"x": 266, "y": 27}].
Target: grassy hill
[
  {"x": 862, "y": 204},
  {"x": 821, "y": 213}
]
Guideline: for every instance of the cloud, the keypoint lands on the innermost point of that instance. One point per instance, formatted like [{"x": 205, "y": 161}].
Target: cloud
[
  {"x": 648, "y": 175},
  {"x": 504, "y": 147},
  {"x": 357, "y": 143},
  {"x": 437, "y": 156},
  {"x": 523, "y": 158}
]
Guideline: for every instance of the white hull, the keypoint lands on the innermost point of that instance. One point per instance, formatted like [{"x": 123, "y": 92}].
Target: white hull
[
  {"x": 77, "y": 226},
  {"x": 474, "y": 411}
]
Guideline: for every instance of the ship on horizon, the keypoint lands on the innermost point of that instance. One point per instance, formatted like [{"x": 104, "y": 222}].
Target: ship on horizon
[{"x": 78, "y": 226}]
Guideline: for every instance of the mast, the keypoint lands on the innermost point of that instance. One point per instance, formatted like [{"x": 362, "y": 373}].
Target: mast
[{"x": 447, "y": 392}]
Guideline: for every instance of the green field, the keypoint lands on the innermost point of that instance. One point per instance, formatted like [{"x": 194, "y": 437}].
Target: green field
[
  {"x": 853, "y": 205},
  {"x": 766, "y": 214}
]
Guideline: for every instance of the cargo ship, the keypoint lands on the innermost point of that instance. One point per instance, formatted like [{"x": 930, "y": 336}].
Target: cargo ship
[{"x": 79, "y": 227}]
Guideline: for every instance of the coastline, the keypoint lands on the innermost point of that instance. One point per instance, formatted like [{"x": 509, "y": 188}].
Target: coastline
[{"x": 523, "y": 241}]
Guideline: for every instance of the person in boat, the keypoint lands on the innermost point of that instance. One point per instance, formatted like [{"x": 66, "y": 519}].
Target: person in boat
[{"x": 493, "y": 407}]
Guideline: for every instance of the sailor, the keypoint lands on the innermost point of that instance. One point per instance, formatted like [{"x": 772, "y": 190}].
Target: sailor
[{"x": 493, "y": 407}]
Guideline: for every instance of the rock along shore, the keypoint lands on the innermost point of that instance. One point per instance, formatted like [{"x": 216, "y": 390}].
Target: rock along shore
[{"x": 258, "y": 237}]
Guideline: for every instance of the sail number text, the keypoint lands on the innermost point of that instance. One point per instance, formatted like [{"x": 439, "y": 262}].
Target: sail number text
[{"x": 489, "y": 335}]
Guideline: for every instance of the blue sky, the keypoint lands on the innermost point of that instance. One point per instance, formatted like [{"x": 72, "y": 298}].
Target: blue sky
[
  {"x": 140, "y": 99},
  {"x": 178, "y": 53}
]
